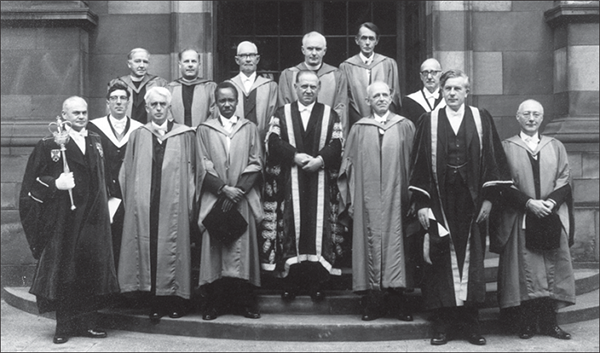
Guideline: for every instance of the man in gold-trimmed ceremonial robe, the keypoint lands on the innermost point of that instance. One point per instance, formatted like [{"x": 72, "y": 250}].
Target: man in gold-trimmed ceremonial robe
[
  {"x": 305, "y": 140},
  {"x": 534, "y": 278},
  {"x": 158, "y": 181},
  {"x": 373, "y": 184},
  {"x": 459, "y": 167},
  {"x": 232, "y": 150},
  {"x": 73, "y": 246}
]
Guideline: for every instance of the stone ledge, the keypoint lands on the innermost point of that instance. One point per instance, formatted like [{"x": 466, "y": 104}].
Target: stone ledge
[
  {"x": 567, "y": 12},
  {"x": 49, "y": 16}
]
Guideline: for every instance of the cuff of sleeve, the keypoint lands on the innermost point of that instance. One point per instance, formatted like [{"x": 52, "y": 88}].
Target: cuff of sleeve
[{"x": 322, "y": 161}]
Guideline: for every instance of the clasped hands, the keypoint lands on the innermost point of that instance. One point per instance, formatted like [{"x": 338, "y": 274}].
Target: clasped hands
[
  {"x": 484, "y": 213},
  {"x": 307, "y": 162},
  {"x": 540, "y": 208},
  {"x": 233, "y": 195}
]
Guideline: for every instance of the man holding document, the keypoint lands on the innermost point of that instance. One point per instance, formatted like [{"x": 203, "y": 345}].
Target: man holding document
[{"x": 459, "y": 164}]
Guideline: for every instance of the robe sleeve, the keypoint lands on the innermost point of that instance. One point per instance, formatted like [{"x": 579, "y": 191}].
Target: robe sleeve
[
  {"x": 280, "y": 151},
  {"x": 421, "y": 178},
  {"x": 212, "y": 183},
  {"x": 285, "y": 95},
  {"x": 332, "y": 152}
]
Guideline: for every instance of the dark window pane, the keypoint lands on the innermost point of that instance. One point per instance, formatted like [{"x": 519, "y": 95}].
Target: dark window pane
[
  {"x": 358, "y": 13},
  {"x": 387, "y": 47},
  {"x": 384, "y": 16},
  {"x": 291, "y": 18},
  {"x": 269, "y": 53},
  {"x": 267, "y": 15},
  {"x": 334, "y": 14},
  {"x": 291, "y": 53},
  {"x": 241, "y": 14},
  {"x": 336, "y": 51}
]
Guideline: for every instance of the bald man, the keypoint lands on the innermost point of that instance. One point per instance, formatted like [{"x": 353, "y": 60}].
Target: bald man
[
  {"x": 429, "y": 97},
  {"x": 535, "y": 279},
  {"x": 257, "y": 95},
  {"x": 138, "y": 82},
  {"x": 73, "y": 246},
  {"x": 333, "y": 83},
  {"x": 193, "y": 97},
  {"x": 373, "y": 182}
]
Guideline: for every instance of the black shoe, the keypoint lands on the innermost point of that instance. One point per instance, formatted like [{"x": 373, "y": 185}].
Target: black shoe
[
  {"x": 250, "y": 313},
  {"x": 438, "y": 339},
  {"x": 155, "y": 316},
  {"x": 477, "y": 339},
  {"x": 60, "y": 339},
  {"x": 526, "y": 332},
  {"x": 405, "y": 317},
  {"x": 176, "y": 314},
  {"x": 210, "y": 314},
  {"x": 93, "y": 333},
  {"x": 370, "y": 315},
  {"x": 317, "y": 295},
  {"x": 288, "y": 295},
  {"x": 557, "y": 332}
]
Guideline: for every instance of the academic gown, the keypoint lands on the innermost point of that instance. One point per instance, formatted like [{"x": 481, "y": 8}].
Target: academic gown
[
  {"x": 114, "y": 153},
  {"x": 182, "y": 170},
  {"x": 333, "y": 90},
  {"x": 373, "y": 182},
  {"x": 524, "y": 274},
  {"x": 487, "y": 168},
  {"x": 203, "y": 102},
  {"x": 301, "y": 223},
  {"x": 415, "y": 104},
  {"x": 265, "y": 100},
  {"x": 240, "y": 259},
  {"x": 73, "y": 247},
  {"x": 382, "y": 69},
  {"x": 137, "y": 107}
]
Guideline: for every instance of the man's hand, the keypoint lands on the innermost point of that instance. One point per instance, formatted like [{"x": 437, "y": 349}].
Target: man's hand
[
  {"x": 65, "y": 181},
  {"x": 484, "y": 212},
  {"x": 227, "y": 205},
  {"x": 301, "y": 159},
  {"x": 423, "y": 215},
  {"x": 313, "y": 165},
  {"x": 540, "y": 208},
  {"x": 234, "y": 194}
]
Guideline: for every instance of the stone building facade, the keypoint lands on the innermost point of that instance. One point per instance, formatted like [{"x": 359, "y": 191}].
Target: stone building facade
[{"x": 512, "y": 50}]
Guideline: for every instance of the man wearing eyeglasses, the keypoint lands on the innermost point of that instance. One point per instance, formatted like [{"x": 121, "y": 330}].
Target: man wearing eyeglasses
[
  {"x": 258, "y": 95},
  {"x": 364, "y": 68},
  {"x": 333, "y": 83},
  {"x": 193, "y": 97},
  {"x": 158, "y": 180},
  {"x": 536, "y": 279},
  {"x": 114, "y": 130},
  {"x": 138, "y": 82},
  {"x": 427, "y": 98}
]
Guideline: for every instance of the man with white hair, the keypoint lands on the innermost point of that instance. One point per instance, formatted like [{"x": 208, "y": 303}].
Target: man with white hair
[
  {"x": 158, "y": 180},
  {"x": 535, "y": 278},
  {"x": 193, "y": 96},
  {"x": 138, "y": 82},
  {"x": 373, "y": 182},
  {"x": 258, "y": 95},
  {"x": 333, "y": 82},
  {"x": 429, "y": 97}
]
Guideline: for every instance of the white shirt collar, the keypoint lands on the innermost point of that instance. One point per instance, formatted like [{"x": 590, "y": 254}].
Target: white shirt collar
[
  {"x": 79, "y": 138},
  {"x": 309, "y": 108},
  {"x": 313, "y": 67},
  {"x": 381, "y": 119},
  {"x": 228, "y": 123},
  {"x": 458, "y": 114},
  {"x": 364, "y": 59},
  {"x": 163, "y": 127},
  {"x": 530, "y": 140},
  {"x": 434, "y": 95},
  {"x": 250, "y": 78}
]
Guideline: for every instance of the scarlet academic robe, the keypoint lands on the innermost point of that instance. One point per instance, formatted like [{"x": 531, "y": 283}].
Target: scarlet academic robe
[
  {"x": 382, "y": 69},
  {"x": 240, "y": 259},
  {"x": 333, "y": 90},
  {"x": 266, "y": 100},
  {"x": 181, "y": 172},
  {"x": 373, "y": 183},
  {"x": 301, "y": 224},
  {"x": 487, "y": 168},
  {"x": 415, "y": 104},
  {"x": 203, "y": 103},
  {"x": 74, "y": 247},
  {"x": 524, "y": 274},
  {"x": 137, "y": 107}
]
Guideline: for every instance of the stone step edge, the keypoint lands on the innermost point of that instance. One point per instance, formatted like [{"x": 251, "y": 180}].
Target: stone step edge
[{"x": 281, "y": 327}]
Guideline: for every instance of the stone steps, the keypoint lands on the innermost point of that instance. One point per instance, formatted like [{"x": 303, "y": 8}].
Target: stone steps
[{"x": 337, "y": 318}]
